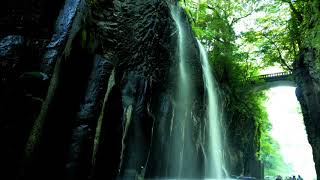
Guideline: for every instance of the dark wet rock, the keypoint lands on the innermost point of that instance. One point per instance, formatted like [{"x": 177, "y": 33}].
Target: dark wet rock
[
  {"x": 137, "y": 122},
  {"x": 100, "y": 122},
  {"x": 149, "y": 62},
  {"x": 109, "y": 134},
  {"x": 23, "y": 87},
  {"x": 9, "y": 44},
  {"x": 160, "y": 138},
  {"x": 307, "y": 77},
  {"x": 67, "y": 26},
  {"x": 80, "y": 151},
  {"x": 14, "y": 118},
  {"x": 11, "y": 48},
  {"x": 97, "y": 86},
  {"x": 28, "y": 17}
]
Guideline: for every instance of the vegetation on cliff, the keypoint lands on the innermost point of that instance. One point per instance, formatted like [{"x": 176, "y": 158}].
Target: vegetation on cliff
[
  {"x": 114, "y": 61},
  {"x": 243, "y": 38}
]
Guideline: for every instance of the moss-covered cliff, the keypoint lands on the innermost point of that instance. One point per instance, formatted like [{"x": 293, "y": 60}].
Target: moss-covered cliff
[{"x": 307, "y": 74}]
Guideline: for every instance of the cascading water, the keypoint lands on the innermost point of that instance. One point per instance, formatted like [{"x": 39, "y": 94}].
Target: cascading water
[
  {"x": 183, "y": 92},
  {"x": 216, "y": 164}
]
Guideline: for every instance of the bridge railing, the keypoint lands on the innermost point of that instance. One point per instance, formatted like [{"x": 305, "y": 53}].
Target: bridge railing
[
  {"x": 273, "y": 75},
  {"x": 267, "y": 81}
]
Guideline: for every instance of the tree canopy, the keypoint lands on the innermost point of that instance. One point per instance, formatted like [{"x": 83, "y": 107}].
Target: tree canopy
[{"x": 242, "y": 38}]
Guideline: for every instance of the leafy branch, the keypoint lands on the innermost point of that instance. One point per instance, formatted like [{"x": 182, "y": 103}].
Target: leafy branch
[{"x": 282, "y": 60}]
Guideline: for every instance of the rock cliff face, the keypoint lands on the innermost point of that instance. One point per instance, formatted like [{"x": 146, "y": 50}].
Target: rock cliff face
[
  {"x": 88, "y": 92},
  {"x": 242, "y": 135},
  {"x": 307, "y": 76},
  {"x": 307, "y": 92},
  {"x": 89, "y": 88}
]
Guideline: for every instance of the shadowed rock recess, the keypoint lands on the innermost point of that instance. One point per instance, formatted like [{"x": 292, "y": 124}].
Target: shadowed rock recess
[{"x": 87, "y": 91}]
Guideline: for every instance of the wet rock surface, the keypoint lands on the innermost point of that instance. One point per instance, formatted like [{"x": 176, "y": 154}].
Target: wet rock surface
[
  {"x": 92, "y": 111},
  {"x": 98, "y": 97},
  {"x": 308, "y": 91},
  {"x": 306, "y": 74}
]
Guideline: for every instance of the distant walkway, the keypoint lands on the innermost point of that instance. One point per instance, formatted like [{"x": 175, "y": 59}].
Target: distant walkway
[
  {"x": 267, "y": 81},
  {"x": 276, "y": 76}
]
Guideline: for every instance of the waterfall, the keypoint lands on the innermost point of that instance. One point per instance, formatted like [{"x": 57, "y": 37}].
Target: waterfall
[
  {"x": 181, "y": 41},
  {"x": 215, "y": 164},
  {"x": 183, "y": 95}
]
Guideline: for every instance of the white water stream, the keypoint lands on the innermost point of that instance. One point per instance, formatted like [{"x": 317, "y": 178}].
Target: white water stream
[
  {"x": 183, "y": 90},
  {"x": 216, "y": 164}
]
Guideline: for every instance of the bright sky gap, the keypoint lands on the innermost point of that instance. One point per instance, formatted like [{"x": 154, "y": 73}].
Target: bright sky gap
[{"x": 288, "y": 130}]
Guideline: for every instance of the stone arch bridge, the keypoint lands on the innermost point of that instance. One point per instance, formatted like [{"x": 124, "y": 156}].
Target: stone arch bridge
[{"x": 267, "y": 81}]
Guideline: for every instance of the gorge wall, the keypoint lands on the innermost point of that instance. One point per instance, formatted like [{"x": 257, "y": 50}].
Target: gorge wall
[
  {"x": 95, "y": 90},
  {"x": 306, "y": 74},
  {"x": 88, "y": 91}
]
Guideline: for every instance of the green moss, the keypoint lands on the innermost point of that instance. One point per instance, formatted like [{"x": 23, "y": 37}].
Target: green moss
[
  {"x": 92, "y": 42},
  {"x": 311, "y": 32},
  {"x": 84, "y": 38}
]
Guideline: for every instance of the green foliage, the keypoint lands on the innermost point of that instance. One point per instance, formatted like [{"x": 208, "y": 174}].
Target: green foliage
[
  {"x": 237, "y": 56},
  {"x": 269, "y": 154}
]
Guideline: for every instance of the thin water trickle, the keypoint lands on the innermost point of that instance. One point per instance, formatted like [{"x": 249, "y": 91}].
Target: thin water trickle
[{"x": 216, "y": 164}]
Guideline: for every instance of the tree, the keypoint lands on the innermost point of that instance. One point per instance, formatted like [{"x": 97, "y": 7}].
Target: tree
[{"x": 238, "y": 55}]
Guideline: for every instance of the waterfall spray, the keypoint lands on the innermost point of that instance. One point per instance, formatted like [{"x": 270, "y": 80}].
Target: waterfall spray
[
  {"x": 216, "y": 164},
  {"x": 183, "y": 92}
]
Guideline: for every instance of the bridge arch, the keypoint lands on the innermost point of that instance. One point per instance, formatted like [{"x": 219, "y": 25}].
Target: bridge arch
[
  {"x": 267, "y": 81},
  {"x": 268, "y": 85}
]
